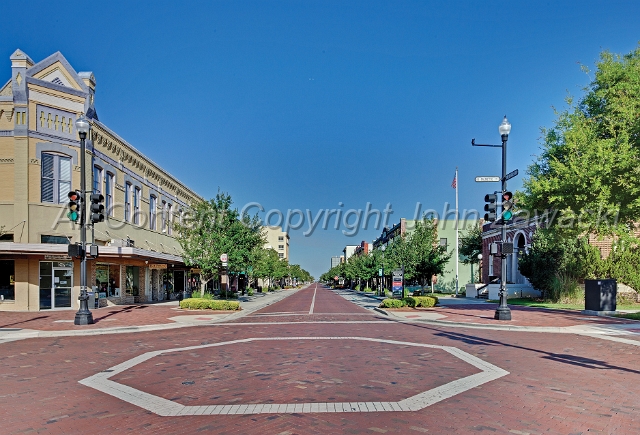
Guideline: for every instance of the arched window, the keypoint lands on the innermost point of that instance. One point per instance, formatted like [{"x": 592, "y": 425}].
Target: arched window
[{"x": 56, "y": 178}]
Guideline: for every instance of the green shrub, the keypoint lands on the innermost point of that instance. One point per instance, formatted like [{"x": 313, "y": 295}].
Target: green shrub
[
  {"x": 393, "y": 303},
  {"x": 368, "y": 290},
  {"x": 421, "y": 301},
  {"x": 209, "y": 304},
  {"x": 250, "y": 291}
]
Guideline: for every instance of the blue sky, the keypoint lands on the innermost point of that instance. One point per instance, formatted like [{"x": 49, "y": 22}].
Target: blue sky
[{"x": 313, "y": 104}]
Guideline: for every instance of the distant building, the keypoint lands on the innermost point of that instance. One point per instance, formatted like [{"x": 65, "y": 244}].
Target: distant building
[
  {"x": 348, "y": 251},
  {"x": 277, "y": 240},
  {"x": 335, "y": 261},
  {"x": 363, "y": 249}
]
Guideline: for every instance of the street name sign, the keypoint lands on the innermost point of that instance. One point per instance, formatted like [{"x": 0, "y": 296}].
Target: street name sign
[
  {"x": 511, "y": 174},
  {"x": 487, "y": 179}
]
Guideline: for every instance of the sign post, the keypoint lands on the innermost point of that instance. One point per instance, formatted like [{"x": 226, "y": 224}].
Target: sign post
[{"x": 397, "y": 286}]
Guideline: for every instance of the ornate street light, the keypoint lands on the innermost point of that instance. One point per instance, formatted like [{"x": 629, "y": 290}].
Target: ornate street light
[{"x": 83, "y": 316}]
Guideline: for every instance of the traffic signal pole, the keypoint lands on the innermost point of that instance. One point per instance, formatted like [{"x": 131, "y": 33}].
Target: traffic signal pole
[
  {"x": 503, "y": 312},
  {"x": 83, "y": 315}
]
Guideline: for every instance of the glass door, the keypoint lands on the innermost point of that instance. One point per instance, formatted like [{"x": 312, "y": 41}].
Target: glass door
[{"x": 62, "y": 283}]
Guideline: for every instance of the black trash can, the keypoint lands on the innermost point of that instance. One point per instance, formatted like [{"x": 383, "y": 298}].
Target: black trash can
[{"x": 600, "y": 294}]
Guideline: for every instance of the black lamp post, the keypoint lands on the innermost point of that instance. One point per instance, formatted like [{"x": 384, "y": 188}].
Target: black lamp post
[
  {"x": 503, "y": 312},
  {"x": 83, "y": 316}
]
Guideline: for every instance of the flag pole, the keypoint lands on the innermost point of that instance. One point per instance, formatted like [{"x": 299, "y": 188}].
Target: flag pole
[{"x": 457, "y": 243}]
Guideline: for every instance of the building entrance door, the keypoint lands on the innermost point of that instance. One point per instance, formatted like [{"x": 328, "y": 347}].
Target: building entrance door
[{"x": 61, "y": 291}]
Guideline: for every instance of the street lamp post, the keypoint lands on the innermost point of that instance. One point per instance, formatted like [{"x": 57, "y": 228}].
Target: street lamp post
[
  {"x": 503, "y": 312},
  {"x": 83, "y": 316},
  {"x": 383, "y": 247}
]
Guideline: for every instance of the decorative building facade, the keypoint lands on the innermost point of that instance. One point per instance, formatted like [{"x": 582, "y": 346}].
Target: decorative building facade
[{"x": 139, "y": 258}]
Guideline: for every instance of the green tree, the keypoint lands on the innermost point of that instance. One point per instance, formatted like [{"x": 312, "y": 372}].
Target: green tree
[
  {"x": 429, "y": 258},
  {"x": 587, "y": 176},
  {"x": 471, "y": 245},
  {"x": 211, "y": 228}
]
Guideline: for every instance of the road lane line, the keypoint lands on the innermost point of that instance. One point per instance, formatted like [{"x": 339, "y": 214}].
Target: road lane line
[{"x": 313, "y": 301}]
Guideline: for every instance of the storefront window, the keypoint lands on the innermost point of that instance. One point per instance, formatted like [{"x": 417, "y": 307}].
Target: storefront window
[
  {"x": 133, "y": 280},
  {"x": 108, "y": 279},
  {"x": 7, "y": 280}
]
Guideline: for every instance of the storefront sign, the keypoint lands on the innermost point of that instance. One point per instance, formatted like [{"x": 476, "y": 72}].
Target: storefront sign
[
  {"x": 196, "y": 270},
  {"x": 57, "y": 257},
  {"x": 157, "y": 266}
]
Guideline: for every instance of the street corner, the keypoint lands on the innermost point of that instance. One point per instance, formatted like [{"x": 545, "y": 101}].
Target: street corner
[{"x": 294, "y": 375}]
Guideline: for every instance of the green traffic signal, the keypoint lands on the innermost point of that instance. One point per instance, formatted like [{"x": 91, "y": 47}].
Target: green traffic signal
[
  {"x": 507, "y": 206},
  {"x": 73, "y": 216}
]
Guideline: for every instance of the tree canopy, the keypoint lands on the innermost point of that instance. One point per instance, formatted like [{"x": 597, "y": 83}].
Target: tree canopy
[{"x": 588, "y": 174}]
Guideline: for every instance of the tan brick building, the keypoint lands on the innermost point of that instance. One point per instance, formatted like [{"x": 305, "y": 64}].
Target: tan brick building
[{"x": 39, "y": 164}]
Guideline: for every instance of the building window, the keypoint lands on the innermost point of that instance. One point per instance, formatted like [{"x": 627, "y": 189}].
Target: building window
[
  {"x": 280, "y": 246},
  {"x": 443, "y": 242},
  {"x": 6, "y": 237},
  {"x": 97, "y": 179},
  {"x": 108, "y": 197},
  {"x": 56, "y": 178},
  {"x": 7, "y": 280},
  {"x": 127, "y": 202},
  {"x": 163, "y": 212},
  {"x": 170, "y": 219},
  {"x": 56, "y": 240},
  {"x": 136, "y": 205},
  {"x": 281, "y": 255},
  {"x": 280, "y": 238},
  {"x": 153, "y": 202}
]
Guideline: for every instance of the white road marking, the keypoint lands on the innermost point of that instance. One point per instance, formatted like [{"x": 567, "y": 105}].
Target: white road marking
[
  {"x": 164, "y": 407},
  {"x": 313, "y": 301}
]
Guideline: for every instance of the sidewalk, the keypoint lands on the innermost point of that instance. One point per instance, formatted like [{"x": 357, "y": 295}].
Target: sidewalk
[
  {"x": 126, "y": 318},
  {"x": 462, "y": 311}
]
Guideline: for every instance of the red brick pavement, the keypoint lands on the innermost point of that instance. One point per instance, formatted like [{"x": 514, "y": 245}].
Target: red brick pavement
[
  {"x": 558, "y": 383},
  {"x": 108, "y": 317}
]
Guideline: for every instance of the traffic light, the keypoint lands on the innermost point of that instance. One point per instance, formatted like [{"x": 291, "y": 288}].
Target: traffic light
[
  {"x": 97, "y": 208},
  {"x": 490, "y": 207},
  {"x": 75, "y": 206},
  {"x": 507, "y": 206}
]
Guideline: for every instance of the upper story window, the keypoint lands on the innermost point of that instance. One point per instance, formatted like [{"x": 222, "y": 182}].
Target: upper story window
[
  {"x": 164, "y": 216},
  {"x": 443, "y": 242},
  {"x": 280, "y": 238},
  {"x": 108, "y": 193},
  {"x": 281, "y": 255},
  {"x": 136, "y": 205},
  {"x": 56, "y": 178},
  {"x": 153, "y": 203},
  {"x": 170, "y": 218},
  {"x": 280, "y": 246},
  {"x": 97, "y": 179},
  {"x": 127, "y": 202}
]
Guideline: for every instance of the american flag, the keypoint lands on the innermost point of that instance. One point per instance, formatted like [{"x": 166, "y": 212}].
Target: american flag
[{"x": 454, "y": 183}]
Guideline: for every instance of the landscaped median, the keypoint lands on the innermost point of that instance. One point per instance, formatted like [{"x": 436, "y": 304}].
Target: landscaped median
[
  {"x": 411, "y": 302},
  {"x": 209, "y": 304}
]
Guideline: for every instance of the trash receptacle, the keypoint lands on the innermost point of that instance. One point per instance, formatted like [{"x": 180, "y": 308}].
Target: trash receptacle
[
  {"x": 259, "y": 289},
  {"x": 600, "y": 294}
]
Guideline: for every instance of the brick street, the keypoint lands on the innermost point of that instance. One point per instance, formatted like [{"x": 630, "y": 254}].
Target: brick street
[{"x": 300, "y": 352}]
